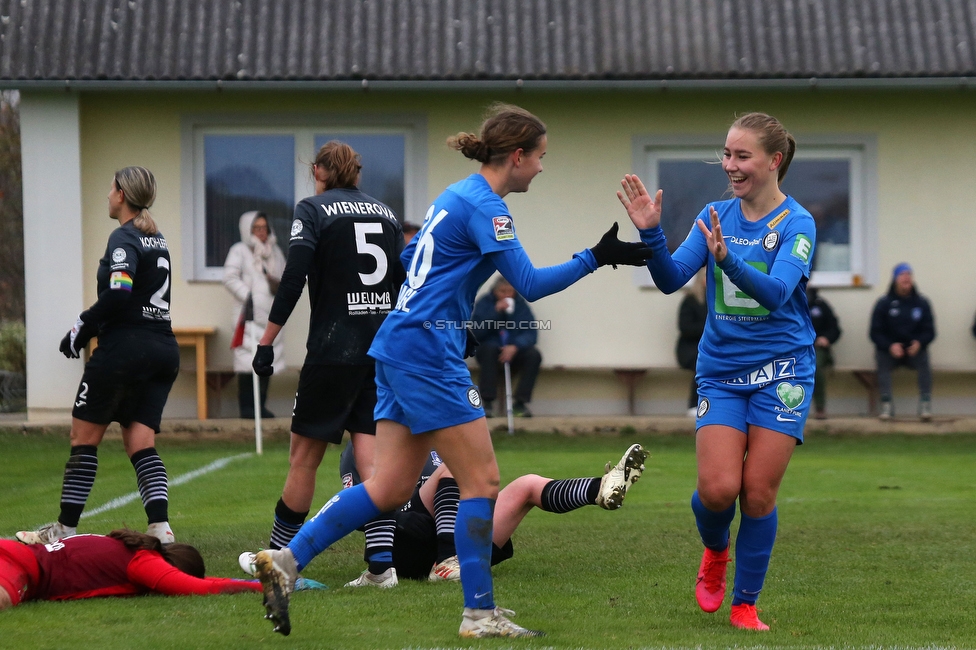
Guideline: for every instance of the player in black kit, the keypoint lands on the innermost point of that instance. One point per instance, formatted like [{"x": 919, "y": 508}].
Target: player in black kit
[
  {"x": 348, "y": 244},
  {"x": 130, "y": 373}
]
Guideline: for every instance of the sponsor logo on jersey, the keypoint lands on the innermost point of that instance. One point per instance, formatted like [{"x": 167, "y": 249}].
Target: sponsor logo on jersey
[
  {"x": 296, "y": 228},
  {"x": 791, "y": 396},
  {"x": 368, "y": 302},
  {"x": 770, "y": 241},
  {"x": 118, "y": 255},
  {"x": 474, "y": 397},
  {"x": 155, "y": 313},
  {"x": 779, "y": 217},
  {"x": 772, "y": 371},
  {"x": 702, "y": 407},
  {"x": 802, "y": 246},
  {"x": 504, "y": 229},
  {"x": 120, "y": 280},
  {"x": 741, "y": 241}
]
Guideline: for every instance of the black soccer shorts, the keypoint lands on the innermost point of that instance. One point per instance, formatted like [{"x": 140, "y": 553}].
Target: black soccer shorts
[
  {"x": 128, "y": 378},
  {"x": 333, "y": 399}
]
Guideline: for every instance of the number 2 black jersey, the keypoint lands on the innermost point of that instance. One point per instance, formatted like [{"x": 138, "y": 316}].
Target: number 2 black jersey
[
  {"x": 355, "y": 275},
  {"x": 133, "y": 282}
]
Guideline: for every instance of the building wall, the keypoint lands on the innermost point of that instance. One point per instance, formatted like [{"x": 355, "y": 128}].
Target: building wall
[{"x": 926, "y": 162}]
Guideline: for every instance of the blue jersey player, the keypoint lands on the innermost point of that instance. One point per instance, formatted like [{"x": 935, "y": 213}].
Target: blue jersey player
[
  {"x": 756, "y": 358},
  {"x": 425, "y": 397}
]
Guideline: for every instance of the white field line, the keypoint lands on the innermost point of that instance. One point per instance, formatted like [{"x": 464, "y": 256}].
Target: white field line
[{"x": 118, "y": 502}]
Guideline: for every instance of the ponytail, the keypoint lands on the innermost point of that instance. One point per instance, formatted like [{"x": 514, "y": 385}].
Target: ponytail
[
  {"x": 138, "y": 185},
  {"x": 506, "y": 129},
  {"x": 184, "y": 557}
]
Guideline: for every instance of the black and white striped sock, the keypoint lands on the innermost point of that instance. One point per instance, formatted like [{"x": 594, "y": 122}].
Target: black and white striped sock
[
  {"x": 153, "y": 484},
  {"x": 79, "y": 477},
  {"x": 564, "y": 495},
  {"x": 379, "y": 543},
  {"x": 446, "y": 500},
  {"x": 286, "y": 525}
]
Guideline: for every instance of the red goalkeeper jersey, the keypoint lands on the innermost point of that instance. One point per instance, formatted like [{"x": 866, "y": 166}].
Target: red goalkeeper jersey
[{"x": 87, "y": 566}]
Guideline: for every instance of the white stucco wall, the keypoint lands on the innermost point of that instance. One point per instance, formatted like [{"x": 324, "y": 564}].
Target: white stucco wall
[{"x": 53, "y": 252}]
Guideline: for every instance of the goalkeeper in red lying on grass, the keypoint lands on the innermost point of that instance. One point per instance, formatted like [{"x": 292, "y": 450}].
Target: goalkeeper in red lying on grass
[{"x": 122, "y": 563}]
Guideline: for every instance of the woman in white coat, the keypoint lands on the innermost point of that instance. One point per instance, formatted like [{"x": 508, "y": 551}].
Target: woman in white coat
[{"x": 252, "y": 272}]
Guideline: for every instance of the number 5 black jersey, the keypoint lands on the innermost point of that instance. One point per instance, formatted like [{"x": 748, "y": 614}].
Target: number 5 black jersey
[
  {"x": 355, "y": 274},
  {"x": 133, "y": 282}
]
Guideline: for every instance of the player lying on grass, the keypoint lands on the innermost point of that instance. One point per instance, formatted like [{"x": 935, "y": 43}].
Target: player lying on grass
[
  {"x": 122, "y": 563},
  {"x": 423, "y": 546}
]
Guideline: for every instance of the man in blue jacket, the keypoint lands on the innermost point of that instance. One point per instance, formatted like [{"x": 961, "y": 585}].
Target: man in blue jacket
[
  {"x": 902, "y": 327},
  {"x": 506, "y": 331}
]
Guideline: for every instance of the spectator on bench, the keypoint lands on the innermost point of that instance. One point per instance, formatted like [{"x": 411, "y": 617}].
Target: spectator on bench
[{"x": 503, "y": 326}]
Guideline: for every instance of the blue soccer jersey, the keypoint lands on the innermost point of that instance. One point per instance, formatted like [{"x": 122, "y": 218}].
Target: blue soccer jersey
[
  {"x": 446, "y": 263},
  {"x": 757, "y": 296}
]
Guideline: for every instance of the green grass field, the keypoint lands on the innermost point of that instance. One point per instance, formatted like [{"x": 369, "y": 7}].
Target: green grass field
[{"x": 875, "y": 549}]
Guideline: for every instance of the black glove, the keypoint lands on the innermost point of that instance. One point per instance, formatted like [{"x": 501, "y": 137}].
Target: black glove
[
  {"x": 471, "y": 344},
  {"x": 77, "y": 338},
  {"x": 263, "y": 361},
  {"x": 611, "y": 250}
]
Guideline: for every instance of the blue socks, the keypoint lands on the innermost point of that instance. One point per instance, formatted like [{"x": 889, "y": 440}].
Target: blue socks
[
  {"x": 342, "y": 514},
  {"x": 472, "y": 537},
  {"x": 753, "y": 546},
  {"x": 713, "y": 526}
]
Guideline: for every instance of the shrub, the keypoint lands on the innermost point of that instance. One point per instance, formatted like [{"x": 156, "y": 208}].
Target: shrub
[{"x": 13, "y": 347}]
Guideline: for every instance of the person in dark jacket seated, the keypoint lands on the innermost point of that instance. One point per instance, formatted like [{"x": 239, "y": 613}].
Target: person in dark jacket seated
[
  {"x": 506, "y": 331},
  {"x": 902, "y": 327},
  {"x": 827, "y": 329}
]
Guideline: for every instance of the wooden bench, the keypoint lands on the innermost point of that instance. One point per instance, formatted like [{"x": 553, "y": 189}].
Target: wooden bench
[{"x": 196, "y": 337}]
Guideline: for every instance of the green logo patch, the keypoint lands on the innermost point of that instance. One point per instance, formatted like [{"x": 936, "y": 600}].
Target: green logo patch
[
  {"x": 791, "y": 396},
  {"x": 802, "y": 247}
]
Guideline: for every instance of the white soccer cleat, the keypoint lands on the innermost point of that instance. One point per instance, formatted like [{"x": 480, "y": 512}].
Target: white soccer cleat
[
  {"x": 485, "y": 623},
  {"x": 162, "y": 532},
  {"x": 449, "y": 569},
  {"x": 277, "y": 572},
  {"x": 246, "y": 561},
  {"x": 46, "y": 534},
  {"x": 619, "y": 477},
  {"x": 385, "y": 580}
]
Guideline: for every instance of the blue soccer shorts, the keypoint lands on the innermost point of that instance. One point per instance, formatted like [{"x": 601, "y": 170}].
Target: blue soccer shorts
[
  {"x": 775, "y": 396},
  {"x": 424, "y": 403}
]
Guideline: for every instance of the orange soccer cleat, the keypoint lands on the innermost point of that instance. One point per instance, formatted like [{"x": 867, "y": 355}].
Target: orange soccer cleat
[{"x": 744, "y": 617}]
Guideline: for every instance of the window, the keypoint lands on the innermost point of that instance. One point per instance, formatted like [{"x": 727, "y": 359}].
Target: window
[
  {"x": 231, "y": 167},
  {"x": 833, "y": 178}
]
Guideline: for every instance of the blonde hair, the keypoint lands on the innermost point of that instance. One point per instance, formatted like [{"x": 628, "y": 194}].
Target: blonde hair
[
  {"x": 773, "y": 137},
  {"x": 341, "y": 161},
  {"x": 505, "y": 129},
  {"x": 138, "y": 186}
]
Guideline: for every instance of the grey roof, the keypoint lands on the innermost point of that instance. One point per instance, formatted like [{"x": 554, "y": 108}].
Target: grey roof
[{"x": 121, "y": 42}]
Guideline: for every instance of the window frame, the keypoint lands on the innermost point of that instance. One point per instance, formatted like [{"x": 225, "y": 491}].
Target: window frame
[
  {"x": 304, "y": 129},
  {"x": 861, "y": 151}
]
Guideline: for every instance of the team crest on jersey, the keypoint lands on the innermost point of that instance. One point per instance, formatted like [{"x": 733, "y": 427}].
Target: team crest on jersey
[
  {"x": 802, "y": 247},
  {"x": 474, "y": 397},
  {"x": 702, "y": 407},
  {"x": 118, "y": 255},
  {"x": 296, "y": 227},
  {"x": 347, "y": 480},
  {"x": 770, "y": 241},
  {"x": 504, "y": 229}
]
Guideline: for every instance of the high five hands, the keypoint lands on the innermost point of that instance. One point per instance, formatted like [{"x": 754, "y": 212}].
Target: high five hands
[{"x": 645, "y": 212}]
